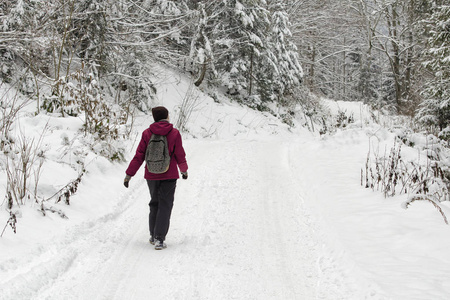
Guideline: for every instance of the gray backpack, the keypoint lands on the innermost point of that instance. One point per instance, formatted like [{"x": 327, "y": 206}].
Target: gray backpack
[{"x": 157, "y": 155}]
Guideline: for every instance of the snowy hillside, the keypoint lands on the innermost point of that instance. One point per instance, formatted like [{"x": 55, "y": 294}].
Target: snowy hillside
[{"x": 268, "y": 212}]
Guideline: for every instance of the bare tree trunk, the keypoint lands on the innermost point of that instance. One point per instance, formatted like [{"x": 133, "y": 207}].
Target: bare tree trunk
[
  {"x": 250, "y": 75},
  {"x": 393, "y": 22},
  {"x": 202, "y": 75},
  {"x": 344, "y": 71},
  {"x": 312, "y": 68}
]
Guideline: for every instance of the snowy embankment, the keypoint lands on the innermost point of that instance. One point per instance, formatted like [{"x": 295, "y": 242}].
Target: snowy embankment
[{"x": 267, "y": 213}]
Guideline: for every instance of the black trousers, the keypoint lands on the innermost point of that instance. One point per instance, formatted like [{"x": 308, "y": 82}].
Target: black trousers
[{"x": 162, "y": 193}]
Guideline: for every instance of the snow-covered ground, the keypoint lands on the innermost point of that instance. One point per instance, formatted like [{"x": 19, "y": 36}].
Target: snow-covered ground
[{"x": 268, "y": 212}]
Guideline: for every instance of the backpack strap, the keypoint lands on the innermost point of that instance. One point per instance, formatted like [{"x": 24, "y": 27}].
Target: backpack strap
[{"x": 173, "y": 150}]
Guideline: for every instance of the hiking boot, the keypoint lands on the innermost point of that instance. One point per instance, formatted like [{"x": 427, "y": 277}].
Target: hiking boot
[
  {"x": 160, "y": 245},
  {"x": 152, "y": 240}
]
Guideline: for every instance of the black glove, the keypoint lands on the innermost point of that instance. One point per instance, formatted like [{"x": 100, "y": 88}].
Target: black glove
[
  {"x": 184, "y": 175},
  {"x": 126, "y": 180}
]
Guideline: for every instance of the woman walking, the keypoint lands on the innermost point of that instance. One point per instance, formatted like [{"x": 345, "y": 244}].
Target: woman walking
[{"x": 161, "y": 184}]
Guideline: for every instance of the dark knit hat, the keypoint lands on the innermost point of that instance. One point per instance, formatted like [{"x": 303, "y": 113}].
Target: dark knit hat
[{"x": 160, "y": 113}]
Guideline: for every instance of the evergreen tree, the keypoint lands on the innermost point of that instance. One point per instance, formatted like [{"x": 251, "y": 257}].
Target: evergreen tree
[
  {"x": 201, "y": 52},
  {"x": 89, "y": 35},
  {"x": 246, "y": 48},
  {"x": 244, "y": 25},
  {"x": 435, "y": 109},
  {"x": 282, "y": 53},
  {"x": 20, "y": 31}
]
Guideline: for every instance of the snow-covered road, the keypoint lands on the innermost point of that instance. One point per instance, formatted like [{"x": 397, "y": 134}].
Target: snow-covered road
[
  {"x": 240, "y": 230},
  {"x": 265, "y": 217}
]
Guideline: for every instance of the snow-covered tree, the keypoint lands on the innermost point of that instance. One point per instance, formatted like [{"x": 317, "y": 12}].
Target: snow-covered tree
[
  {"x": 365, "y": 60},
  {"x": 325, "y": 33},
  {"x": 435, "y": 109},
  {"x": 201, "y": 52},
  {"x": 398, "y": 38},
  {"x": 245, "y": 47},
  {"x": 282, "y": 55},
  {"x": 239, "y": 36},
  {"x": 20, "y": 28}
]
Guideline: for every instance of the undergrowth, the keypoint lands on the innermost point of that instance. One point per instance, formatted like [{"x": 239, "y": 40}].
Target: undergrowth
[
  {"x": 393, "y": 174},
  {"x": 106, "y": 125}
]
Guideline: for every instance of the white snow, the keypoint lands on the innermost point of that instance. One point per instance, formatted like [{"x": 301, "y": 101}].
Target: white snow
[{"x": 268, "y": 212}]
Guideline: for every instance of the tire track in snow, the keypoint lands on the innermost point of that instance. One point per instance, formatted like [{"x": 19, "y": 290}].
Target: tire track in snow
[
  {"x": 336, "y": 277},
  {"x": 91, "y": 275},
  {"x": 59, "y": 259}
]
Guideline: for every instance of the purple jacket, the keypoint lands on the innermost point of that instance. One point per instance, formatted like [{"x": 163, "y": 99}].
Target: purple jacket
[{"x": 176, "y": 150}]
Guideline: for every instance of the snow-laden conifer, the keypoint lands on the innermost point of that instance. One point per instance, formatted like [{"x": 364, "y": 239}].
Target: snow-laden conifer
[{"x": 435, "y": 109}]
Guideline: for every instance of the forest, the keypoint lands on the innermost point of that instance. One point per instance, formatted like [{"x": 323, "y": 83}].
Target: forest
[
  {"x": 97, "y": 59},
  {"x": 391, "y": 54}
]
